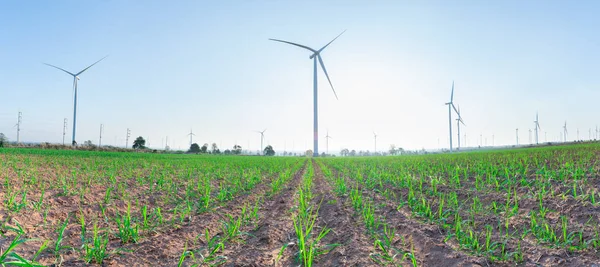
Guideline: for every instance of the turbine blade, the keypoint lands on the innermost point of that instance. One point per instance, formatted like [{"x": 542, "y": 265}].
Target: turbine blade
[
  {"x": 455, "y": 110},
  {"x": 298, "y": 45},
  {"x": 327, "y": 75},
  {"x": 452, "y": 94},
  {"x": 91, "y": 66},
  {"x": 330, "y": 42},
  {"x": 59, "y": 69}
]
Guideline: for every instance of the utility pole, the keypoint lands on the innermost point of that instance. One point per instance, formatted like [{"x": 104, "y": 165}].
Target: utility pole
[
  {"x": 100, "y": 141},
  {"x": 517, "y": 136},
  {"x": 18, "y": 125},
  {"x": 530, "y": 136},
  {"x": 127, "y": 138},
  {"x": 578, "y": 133},
  {"x": 64, "y": 130},
  {"x": 546, "y": 137}
]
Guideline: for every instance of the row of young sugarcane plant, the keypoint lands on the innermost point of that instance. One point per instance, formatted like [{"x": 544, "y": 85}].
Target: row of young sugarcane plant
[
  {"x": 376, "y": 227},
  {"x": 208, "y": 251},
  {"x": 446, "y": 210},
  {"x": 309, "y": 231},
  {"x": 184, "y": 194},
  {"x": 207, "y": 246}
]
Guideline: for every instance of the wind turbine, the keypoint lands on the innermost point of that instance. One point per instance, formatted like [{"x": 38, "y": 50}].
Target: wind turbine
[
  {"x": 537, "y": 127},
  {"x": 375, "y": 136},
  {"x": 459, "y": 120},
  {"x": 262, "y": 137},
  {"x": 327, "y": 137},
  {"x": 316, "y": 55},
  {"x": 75, "y": 79},
  {"x": 450, "y": 107},
  {"x": 565, "y": 131},
  {"x": 517, "y": 130},
  {"x": 191, "y": 134}
]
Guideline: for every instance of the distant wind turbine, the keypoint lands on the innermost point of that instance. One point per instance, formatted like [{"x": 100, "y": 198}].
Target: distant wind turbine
[
  {"x": 327, "y": 137},
  {"x": 565, "y": 131},
  {"x": 459, "y": 120},
  {"x": 537, "y": 127},
  {"x": 316, "y": 55},
  {"x": 262, "y": 137},
  {"x": 375, "y": 136},
  {"x": 517, "y": 130},
  {"x": 450, "y": 107},
  {"x": 191, "y": 134},
  {"x": 75, "y": 79}
]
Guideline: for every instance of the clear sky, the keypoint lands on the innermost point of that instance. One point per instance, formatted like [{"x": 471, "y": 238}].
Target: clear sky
[{"x": 208, "y": 65}]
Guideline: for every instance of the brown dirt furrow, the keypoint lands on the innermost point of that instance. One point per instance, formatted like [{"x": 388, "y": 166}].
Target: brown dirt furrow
[
  {"x": 347, "y": 231},
  {"x": 274, "y": 230}
]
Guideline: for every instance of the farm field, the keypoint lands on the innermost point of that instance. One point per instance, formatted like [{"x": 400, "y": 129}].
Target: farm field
[{"x": 529, "y": 207}]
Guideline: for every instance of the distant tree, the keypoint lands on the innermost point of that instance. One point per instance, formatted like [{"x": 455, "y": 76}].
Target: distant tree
[
  {"x": 393, "y": 150},
  {"x": 353, "y": 153},
  {"x": 194, "y": 148},
  {"x": 215, "y": 149},
  {"x": 269, "y": 151},
  {"x": 344, "y": 152},
  {"x": 227, "y": 152},
  {"x": 88, "y": 143},
  {"x": 323, "y": 154},
  {"x": 237, "y": 150},
  {"x": 139, "y": 143},
  {"x": 308, "y": 153},
  {"x": 204, "y": 149},
  {"x": 3, "y": 140}
]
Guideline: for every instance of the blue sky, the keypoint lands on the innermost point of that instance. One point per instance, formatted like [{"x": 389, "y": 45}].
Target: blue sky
[{"x": 208, "y": 65}]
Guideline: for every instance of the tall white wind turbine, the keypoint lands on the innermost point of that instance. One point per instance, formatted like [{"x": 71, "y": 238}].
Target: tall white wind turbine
[
  {"x": 75, "y": 79},
  {"x": 450, "y": 107},
  {"x": 315, "y": 56}
]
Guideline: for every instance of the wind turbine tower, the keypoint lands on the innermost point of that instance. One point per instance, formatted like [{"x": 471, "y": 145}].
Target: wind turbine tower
[
  {"x": 459, "y": 120},
  {"x": 75, "y": 79},
  {"x": 316, "y": 56}
]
